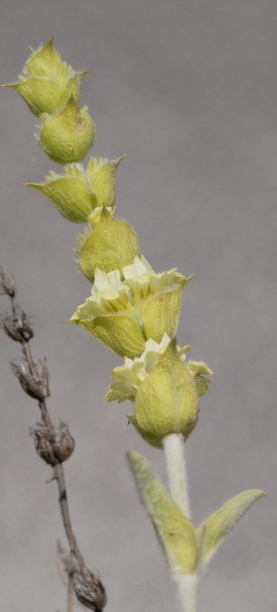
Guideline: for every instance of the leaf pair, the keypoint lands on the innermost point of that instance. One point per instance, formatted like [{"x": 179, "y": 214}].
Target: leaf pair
[{"x": 187, "y": 549}]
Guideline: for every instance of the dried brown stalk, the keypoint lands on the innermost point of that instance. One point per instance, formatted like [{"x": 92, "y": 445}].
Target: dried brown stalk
[{"x": 54, "y": 444}]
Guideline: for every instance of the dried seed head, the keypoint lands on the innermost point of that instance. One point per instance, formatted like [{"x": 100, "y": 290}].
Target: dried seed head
[
  {"x": 53, "y": 445},
  {"x": 37, "y": 385},
  {"x": 43, "y": 444},
  {"x": 62, "y": 442},
  {"x": 90, "y": 592},
  {"x": 18, "y": 328}
]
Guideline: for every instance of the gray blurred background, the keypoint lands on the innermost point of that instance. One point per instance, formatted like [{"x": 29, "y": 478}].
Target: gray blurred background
[{"x": 188, "y": 90}]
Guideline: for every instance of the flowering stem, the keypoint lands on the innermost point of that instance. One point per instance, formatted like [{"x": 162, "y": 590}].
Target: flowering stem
[
  {"x": 186, "y": 586},
  {"x": 176, "y": 469}
]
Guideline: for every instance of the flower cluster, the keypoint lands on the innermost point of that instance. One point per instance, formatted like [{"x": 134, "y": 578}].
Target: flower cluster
[
  {"x": 124, "y": 314},
  {"x": 132, "y": 310}
]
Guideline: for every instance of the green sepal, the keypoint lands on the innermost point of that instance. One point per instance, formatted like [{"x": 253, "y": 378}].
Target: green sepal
[
  {"x": 119, "y": 332},
  {"x": 44, "y": 61},
  {"x": 67, "y": 136},
  {"x": 100, "y": 174},
  {"x": 175, "y": 532},
  {"x": 111, "y": 246},
  {"x": 162, "y": 311},
  {"x": 69, "y": 194},
  {"x": 47, "y": 82},
  {"x": 154, "y": 440},
  {"x": 78, "y": 191},
  {"x": 215, "y": 528}
]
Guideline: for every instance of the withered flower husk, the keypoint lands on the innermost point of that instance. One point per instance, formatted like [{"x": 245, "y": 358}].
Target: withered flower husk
[
  {"x": 90, "y": 593},
  {"x": 37, "y": 386},
  {"x": 54, "y": 445},
  {"x": 18, "y": 328}
]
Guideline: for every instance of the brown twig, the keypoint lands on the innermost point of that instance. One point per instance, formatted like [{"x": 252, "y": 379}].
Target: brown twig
[
  {"x": 54, "y": 445},
  {"x": 69, "y": 603}
]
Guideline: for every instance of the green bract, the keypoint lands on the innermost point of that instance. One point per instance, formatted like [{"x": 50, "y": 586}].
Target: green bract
[
  {"x": 108, "y": 315},
  {"x": 78, "y": 191},
  {"x": 100, "y": 178},
  {"x": 47, "y": 82},
  {"x": 166, "y": 402},
  {"x": 111, "y": 246},
  {"x": 157, "y": 297},
  {"x": 67, "y": 135},
  {"x": 133, "y": 373},
  {"x": 117, "y": 312}
]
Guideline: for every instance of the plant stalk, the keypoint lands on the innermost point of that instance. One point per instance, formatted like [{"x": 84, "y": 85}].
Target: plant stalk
[
  {"x": 176, "y": 470},
  {"x": 178, "y": 486}
]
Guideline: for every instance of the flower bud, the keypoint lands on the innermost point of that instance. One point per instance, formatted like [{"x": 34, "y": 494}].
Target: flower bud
[
  {"x": 67, "y": 136},
  {"x": 47, "y": 82},
  {"x": 167, "y": 400},
  {"x": 111, "y": 246},
  {"x": 78, "y": 191},
  {"x": 45, "y": 61},
  {"x": 100, "y": 175},
  {"x": 162, "y": 389}
]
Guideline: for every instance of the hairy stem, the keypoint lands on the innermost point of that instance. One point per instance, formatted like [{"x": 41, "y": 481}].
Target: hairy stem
[
  {"x": 176, "y": 469},
  {"x": 186, "y": 588}
]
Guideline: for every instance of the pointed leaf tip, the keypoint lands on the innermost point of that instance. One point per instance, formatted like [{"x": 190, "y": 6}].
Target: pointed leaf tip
[{"x": 219, "y": 524}]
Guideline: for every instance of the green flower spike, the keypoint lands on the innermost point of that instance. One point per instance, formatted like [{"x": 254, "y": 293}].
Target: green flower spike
[
  {"x": 162, "y": 389},
  {"x": 111, "y": 246},
  {"x": 67, "y": 136},
  {"x": 78, "y": 191},
  {"x": 46, "y": 82}
]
